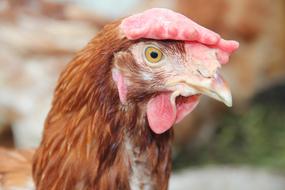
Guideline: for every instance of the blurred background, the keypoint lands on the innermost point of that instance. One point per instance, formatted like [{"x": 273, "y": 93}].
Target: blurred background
[{"x": 215, "y": 147}]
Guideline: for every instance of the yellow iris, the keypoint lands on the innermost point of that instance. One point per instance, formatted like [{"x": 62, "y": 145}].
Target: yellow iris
[{"x": 153, "y": 55}]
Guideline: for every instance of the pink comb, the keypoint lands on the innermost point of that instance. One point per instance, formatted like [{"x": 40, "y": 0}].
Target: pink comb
[{"x": 159, "y": 23}]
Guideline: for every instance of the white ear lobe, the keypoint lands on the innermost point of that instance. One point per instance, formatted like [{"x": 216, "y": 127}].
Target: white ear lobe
[{"x": 121, "y": 85}]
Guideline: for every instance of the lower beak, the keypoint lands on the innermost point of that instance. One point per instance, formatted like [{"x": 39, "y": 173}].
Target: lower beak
[{"x": 214, "y": 87}]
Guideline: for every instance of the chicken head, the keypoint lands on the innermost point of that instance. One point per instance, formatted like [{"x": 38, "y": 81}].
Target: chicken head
[{"x": 173, "y": 62}]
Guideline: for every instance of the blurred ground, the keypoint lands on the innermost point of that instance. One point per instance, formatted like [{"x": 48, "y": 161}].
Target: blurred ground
[
  {"x": 229, "y": 178},
  {"x": 38, "y": 37}
]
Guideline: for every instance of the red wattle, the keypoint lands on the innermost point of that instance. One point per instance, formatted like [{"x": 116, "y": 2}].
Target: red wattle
[{"x": 161, "y": 114}]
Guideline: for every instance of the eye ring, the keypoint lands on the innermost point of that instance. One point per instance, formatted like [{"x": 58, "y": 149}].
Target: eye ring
[{"x": 153, "y": 55}]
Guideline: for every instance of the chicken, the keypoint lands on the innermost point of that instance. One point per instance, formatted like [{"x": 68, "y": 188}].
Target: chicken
[{"x": 115, "y": 103}]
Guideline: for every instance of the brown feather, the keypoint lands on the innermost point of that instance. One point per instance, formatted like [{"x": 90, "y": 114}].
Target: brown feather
[{"x": 83, "y": 145}]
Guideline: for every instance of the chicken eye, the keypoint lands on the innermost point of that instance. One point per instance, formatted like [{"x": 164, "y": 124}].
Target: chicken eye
[{"x": 153, "y": 55}]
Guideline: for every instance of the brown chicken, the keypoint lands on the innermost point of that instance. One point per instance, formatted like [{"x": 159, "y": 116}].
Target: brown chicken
[{"x": 114, "y": 105}]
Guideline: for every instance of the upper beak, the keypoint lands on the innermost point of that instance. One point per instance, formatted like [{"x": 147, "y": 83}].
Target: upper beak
[
  {"x": 217, "y": 88},
  {"x": 214, "y": 87}
]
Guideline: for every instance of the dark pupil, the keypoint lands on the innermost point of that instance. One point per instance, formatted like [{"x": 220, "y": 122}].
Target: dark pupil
[{"x": 154, "y": 54}]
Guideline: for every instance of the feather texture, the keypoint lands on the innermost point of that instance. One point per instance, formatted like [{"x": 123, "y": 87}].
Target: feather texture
[{"x": 87, "y": 136}]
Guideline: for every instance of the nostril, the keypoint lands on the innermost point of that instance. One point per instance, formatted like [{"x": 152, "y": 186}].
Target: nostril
[{"x": 204, "y": 72}]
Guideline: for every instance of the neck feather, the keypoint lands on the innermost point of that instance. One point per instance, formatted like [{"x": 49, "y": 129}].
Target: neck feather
[{"x": 90, "y": 140}]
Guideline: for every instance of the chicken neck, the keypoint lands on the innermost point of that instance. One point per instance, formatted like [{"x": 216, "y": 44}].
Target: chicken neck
[{"x": 91, "y": 140}]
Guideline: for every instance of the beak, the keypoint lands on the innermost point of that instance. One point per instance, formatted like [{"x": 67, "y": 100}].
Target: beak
[
  {"x": 214, "y": 87},
  {"x": 217, "y": 89}
]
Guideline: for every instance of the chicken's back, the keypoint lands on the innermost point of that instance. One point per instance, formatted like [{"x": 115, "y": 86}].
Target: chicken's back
[{"x": 16, "y": 169}]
